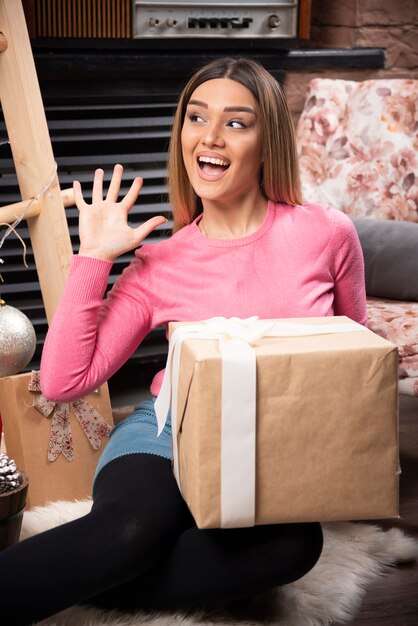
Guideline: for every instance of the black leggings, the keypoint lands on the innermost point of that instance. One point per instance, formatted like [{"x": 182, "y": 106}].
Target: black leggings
[{"x": 139, "y": 548}]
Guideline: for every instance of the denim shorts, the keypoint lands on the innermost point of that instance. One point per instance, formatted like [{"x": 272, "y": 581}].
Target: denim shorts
[{"x": 137, "y": 433}]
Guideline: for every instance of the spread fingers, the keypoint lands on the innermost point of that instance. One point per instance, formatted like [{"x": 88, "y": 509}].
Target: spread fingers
[
  {"x": 97, "y": 193},
  {"x": 114, "y": 186},
  {"x": 130, "y": 198},
  {"x": 78, "y": 195}
]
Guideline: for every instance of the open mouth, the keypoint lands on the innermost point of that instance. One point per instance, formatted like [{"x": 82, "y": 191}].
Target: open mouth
[{"x": 212, "y": 166}]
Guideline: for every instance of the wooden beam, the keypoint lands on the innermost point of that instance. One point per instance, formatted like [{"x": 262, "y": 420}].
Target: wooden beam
[
  {"x": 10, "y": 212},
  {"x": 32, "y": 154},
  {"x": 304, "y": 26},
  {"x": 30, "y": 14}
]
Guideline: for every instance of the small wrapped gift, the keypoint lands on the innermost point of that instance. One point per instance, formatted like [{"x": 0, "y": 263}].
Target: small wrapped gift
[
  {"x": 282, "y": 421},
  {"x": 56, "y": 444}
]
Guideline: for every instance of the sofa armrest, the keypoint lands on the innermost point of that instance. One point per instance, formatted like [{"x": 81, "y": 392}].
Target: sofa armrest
[{"x": 390, "y": 250}]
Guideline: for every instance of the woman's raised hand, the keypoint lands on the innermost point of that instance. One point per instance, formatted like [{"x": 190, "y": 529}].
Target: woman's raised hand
[{"x": 103, "y": 225}]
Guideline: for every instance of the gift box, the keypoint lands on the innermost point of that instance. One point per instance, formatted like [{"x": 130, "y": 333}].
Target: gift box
[
  {"x": 56, "y": 444},
  {"x": 297, "y": 427}
]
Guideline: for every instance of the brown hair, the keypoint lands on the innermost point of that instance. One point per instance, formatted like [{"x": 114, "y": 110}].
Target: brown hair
[{"x": 279, "y": 179}]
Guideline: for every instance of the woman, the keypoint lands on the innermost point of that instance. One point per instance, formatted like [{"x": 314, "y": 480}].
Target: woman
[{"x": 243, "y": 244}]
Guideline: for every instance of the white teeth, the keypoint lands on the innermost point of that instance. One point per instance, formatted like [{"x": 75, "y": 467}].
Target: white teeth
[{"x": 205, "y": 159}]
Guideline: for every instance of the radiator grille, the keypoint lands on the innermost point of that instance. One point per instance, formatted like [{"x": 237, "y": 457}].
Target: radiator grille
[{"x": 102, "y": 19}]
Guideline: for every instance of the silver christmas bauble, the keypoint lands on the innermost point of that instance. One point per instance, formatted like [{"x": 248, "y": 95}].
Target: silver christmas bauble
[{"x": 17, "y": 340}]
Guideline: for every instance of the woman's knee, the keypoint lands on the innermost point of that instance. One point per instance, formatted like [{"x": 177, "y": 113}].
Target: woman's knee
[
  {"x": 288, "y": 551},
  {"x": 307, "y": 541}
]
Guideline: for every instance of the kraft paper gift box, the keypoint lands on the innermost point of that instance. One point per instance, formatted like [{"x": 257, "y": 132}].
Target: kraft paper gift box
[
  {"x": 324, "y": 445},
  {"x": 32, "y": 444}
]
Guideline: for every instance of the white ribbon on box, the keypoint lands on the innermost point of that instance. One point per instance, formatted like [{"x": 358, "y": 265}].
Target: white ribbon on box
[{"x": 238, "y": 402}]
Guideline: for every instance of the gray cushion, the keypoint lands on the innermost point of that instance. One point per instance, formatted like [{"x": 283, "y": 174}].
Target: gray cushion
[{"x": 390, "y": 251}]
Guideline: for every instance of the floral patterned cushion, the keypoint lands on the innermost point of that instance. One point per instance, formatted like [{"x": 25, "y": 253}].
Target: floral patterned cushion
[
  {"x": 358, "y": 144},
  {"x": 398, "y": 322}
]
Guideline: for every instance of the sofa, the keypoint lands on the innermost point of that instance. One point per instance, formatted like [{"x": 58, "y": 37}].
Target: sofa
[{"x": 358, "y": 151}]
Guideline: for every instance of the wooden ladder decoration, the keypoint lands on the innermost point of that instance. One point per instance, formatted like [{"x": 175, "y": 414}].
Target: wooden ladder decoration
[
  {"x": 35, "y": 166},
  {"x": 33, "y": 157}
]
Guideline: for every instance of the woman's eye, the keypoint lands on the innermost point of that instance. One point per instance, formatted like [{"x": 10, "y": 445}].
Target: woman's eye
[
  {"x": 237, "y": 124},
  {"x": 194, "y": 117}
]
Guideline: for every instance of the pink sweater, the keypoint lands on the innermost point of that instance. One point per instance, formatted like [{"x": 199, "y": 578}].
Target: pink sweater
[{"x": 303, "y": 261}]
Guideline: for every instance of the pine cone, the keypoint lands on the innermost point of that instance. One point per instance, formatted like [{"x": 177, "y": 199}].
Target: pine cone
[{"x": 10, "y": 477}]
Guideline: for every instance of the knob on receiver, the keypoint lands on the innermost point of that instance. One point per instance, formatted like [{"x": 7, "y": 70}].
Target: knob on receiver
[{"x": 274, "y": 21}]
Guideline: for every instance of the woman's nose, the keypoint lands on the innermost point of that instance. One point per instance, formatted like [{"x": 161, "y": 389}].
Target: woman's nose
[{"x": 213, "y": 135}]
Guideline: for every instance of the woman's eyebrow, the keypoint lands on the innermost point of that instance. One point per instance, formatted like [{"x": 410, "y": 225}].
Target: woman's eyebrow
[
  {"x": 234, "y": 109},
  {"x": 198, "y": 103},
  {"x": 239, "y": 110}
]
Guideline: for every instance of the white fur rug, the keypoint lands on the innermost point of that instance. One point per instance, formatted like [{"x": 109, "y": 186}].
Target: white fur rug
[{"x": 354, "y": 554}]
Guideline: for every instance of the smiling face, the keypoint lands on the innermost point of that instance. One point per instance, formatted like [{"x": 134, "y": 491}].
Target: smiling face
[{"x": 221, "y": 144}]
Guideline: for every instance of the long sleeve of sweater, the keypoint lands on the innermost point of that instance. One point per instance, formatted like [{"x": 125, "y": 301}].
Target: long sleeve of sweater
[
  {"x": 349, "y": 283},
  {"x": 90, "y": 338}
]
